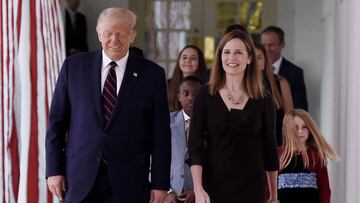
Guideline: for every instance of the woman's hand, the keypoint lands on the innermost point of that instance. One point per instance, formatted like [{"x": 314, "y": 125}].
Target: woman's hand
[{"x": 201, "y": 196}]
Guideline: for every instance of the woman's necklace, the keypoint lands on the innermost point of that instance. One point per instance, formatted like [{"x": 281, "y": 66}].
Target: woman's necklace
[{"x": 233, "y": 99}]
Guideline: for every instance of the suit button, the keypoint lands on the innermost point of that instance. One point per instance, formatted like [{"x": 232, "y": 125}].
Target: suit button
[
  {"x": 182, "y": 175},
  {"x": 98, "y": 159},
  {"x": 104, "y": 135}
]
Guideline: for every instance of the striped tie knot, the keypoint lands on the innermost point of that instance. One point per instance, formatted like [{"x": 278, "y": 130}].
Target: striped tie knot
[
  {"x": 109, "y": 95},
  {"x": 112, "y": 64},
  {"x": 187, "y": 129}
]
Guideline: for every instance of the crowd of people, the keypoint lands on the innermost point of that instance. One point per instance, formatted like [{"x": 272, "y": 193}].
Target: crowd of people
[{"x": 237, "y": 132}]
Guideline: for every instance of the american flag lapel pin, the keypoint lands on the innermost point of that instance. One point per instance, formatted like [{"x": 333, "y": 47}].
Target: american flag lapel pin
[{"x": 135, "y": 74}]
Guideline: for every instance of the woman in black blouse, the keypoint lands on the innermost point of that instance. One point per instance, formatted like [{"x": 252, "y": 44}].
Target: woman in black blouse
[{"x": 232, "y": 142}]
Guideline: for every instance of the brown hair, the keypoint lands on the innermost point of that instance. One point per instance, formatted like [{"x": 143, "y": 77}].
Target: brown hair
[
  {"x": 268, "y": 74},
  {"x": 252, "y": 78},
  {"x": 277, "y": 30},
  {"x": 234, "y": 27},
  {"x": 177, "y": 76},
  {"x": 291, "y": 142}
]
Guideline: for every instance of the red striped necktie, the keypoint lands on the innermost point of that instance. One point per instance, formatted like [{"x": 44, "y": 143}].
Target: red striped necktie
[
  {"x": 109, "y": 93},
  {"x": 187, "y": 129}
]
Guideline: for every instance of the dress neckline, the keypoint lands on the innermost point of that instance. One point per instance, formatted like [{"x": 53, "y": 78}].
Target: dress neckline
[{"x": 233, "y": 109}]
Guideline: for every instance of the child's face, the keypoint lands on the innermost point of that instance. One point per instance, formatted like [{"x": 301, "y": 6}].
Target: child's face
[
  {"x": 188, "y": 90},
  {"x": 302, "y": 130}
]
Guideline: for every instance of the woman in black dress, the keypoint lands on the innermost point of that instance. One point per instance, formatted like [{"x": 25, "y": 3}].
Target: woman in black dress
[
  {"x": 278, "y": 86},
  {"x": 232, "y": 143}
]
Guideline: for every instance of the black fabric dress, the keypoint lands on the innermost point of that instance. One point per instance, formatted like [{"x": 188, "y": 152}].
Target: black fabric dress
[
  {"x": 234, "y": 147},
  {"x": 298, "y": 184}
]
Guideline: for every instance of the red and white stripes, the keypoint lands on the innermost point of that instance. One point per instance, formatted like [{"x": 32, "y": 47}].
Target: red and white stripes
[{"x": 31, "y": 53}]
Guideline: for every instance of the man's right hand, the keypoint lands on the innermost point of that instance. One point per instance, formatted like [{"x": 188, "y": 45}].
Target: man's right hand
[{"x": 56, "y": 185}]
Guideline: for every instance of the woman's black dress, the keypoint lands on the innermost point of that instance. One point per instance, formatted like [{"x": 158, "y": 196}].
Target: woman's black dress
[{"x": 234, "y": 147}]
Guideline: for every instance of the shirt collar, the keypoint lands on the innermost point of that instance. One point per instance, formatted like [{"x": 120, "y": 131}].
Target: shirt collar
[
  {"x": 72, "y": 15},
  {"x": 276, "y": 65},
  {"x": 186, "y": 117},
  {"x": 71, "y": 12},
  {"x": 121, "y": 62}
]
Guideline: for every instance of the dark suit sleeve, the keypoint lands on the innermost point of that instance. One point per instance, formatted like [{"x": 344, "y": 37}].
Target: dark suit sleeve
[
  {"x": 58, "y": 125},
  {"x": 299, "y": 95},
  {"x": 161, "y": 143}
]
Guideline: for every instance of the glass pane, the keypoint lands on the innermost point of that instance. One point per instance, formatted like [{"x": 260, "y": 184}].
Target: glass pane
[
  {"x": 161, "y": 42},
  {"x": 179, "y": 15},
  {"x": 163, "y": 65},
  {"x": 171, "y": 68},
  {"x": 177, "y": 40},
  {"x": 160, "y": 14}
]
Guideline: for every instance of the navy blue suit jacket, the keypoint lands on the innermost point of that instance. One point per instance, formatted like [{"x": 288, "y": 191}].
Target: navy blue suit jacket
[
  {"x": 139, "y": 128},
  {"x": 295, "y": 76}
]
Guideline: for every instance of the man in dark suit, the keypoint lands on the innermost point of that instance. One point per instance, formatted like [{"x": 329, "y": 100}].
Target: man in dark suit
[
  {"x": 75, "y": 29},
  {"x": 272, "y": 38},
  {"x": 108, "y": 116}
]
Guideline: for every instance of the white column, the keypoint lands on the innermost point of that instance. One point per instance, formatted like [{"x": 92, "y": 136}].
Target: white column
[{"x": 346, "y": 98}]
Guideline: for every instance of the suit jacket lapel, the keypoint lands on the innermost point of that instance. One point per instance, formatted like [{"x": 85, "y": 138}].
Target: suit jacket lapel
[
  {"x": 131, "y": 75},
  {"x": 94, "y": 65},
  {"x": 283, "y": 70}
]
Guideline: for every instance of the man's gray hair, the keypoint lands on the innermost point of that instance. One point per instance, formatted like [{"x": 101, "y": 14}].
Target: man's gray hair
[{"x": 117, "y": 13}]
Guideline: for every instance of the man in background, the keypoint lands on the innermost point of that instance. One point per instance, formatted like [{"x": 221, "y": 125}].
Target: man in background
[
  {"x": 273, "y": 39},
  {"x": 75, "y": 29}
]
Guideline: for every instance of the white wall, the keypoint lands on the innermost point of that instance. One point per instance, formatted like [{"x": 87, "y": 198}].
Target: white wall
[
  {"x": 303, "y": 25},
  {"x": 327, "y": 104},
  {"x": 286, "y": 20},
  {"x": 347, "y": 99},
  {"x": 308, "y": 49}
]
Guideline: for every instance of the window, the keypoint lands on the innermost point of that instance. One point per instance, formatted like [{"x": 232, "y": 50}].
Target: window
[{"x": 171, "y": 26}]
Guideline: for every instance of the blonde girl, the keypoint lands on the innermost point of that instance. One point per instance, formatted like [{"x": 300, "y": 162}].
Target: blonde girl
[{"x": 303, "y": 175}]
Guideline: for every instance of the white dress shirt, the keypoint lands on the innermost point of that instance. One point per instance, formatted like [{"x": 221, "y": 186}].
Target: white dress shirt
[
  {"x": 276, "y": 65},
  {"x": 72, "y": 16},
  {"x": 119, "y": 70},
  {"x": 186, "y": 117}
]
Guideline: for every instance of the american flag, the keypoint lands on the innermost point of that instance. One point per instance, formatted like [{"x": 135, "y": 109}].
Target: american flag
[{"x": 31, "y": 53}]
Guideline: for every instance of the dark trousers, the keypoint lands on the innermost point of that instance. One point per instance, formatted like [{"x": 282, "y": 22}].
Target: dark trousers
[{"x": 101, "y": 191}]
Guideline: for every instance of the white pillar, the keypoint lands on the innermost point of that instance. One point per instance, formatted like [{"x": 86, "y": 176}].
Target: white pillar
[{"x": 346, "y": 98}]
